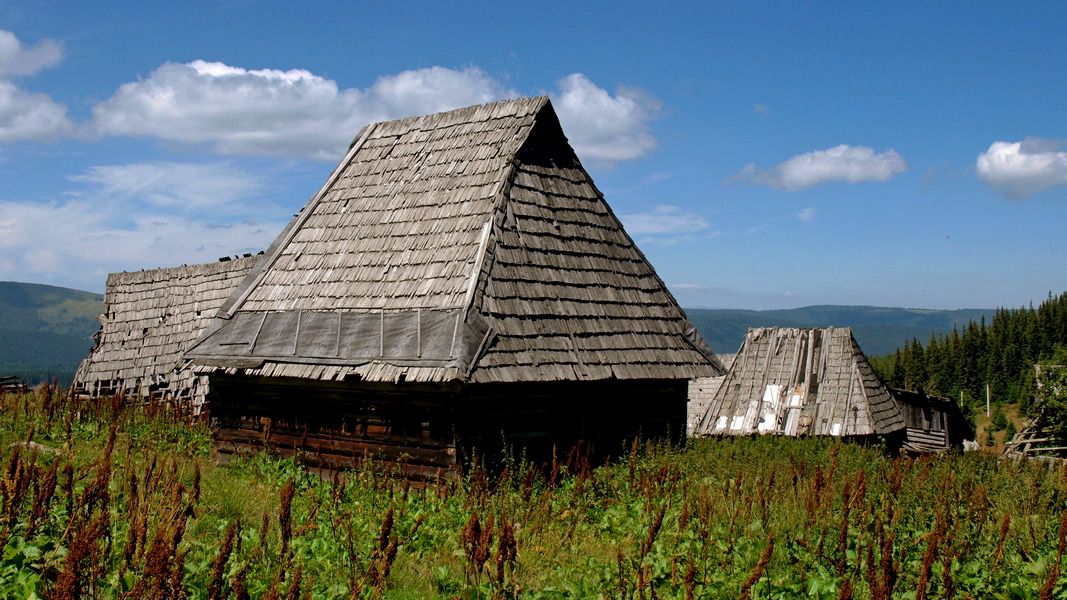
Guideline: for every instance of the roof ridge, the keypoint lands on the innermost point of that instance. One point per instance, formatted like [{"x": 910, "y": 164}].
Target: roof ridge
[
  {"x": 491, "y": 229},
  {"x": 478, "y": 112}
]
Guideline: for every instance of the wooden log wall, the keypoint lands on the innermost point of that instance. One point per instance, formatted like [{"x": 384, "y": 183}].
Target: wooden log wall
[{"x": 425, "y": 429}]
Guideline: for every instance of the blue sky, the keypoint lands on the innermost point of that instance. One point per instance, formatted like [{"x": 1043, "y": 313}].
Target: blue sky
[{"x": 763, "y": 155}]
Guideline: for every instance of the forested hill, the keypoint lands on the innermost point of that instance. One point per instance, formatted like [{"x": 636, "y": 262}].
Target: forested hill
[
  {"x": 999, "y": 353},
  {"x": 45, "y": 331},
  {"x": 879, "y": 330}
]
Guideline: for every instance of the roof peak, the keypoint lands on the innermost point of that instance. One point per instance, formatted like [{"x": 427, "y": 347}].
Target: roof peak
[
  {"x": 477, "y": 113},
  {"x": 462, "y": 239}
]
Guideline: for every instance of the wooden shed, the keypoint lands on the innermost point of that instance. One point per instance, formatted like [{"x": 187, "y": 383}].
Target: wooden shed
[
  {"x": 151, "y": 318},
  {"x": 793, "y": 381},
  {"x": 458, "y": 283},
  {"x": 933, "y": 423}
]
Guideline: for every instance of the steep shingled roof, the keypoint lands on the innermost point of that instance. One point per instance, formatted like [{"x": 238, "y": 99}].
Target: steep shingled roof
[
  {"x": 152, "y": 318},
  {"x": 801, "y": 381},
  {"x": 468, "y": 245}
]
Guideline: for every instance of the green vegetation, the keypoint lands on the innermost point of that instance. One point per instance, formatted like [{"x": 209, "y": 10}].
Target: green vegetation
[
  {"x": 1001, "y": 355},
  {"x": 128, "y": 504},
  {"x": 35, "y": 307},
  {"x": 45, "y": 331},
  {"x": 1050, "y": 403}
]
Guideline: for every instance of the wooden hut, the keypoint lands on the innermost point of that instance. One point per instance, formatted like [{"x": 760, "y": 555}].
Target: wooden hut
[
  {"x": 457, "y": 283},
  {"x": 801, "y": 382},
  {"x": 933, "y": 423},
  {"x": 792, "y": 381},
  {"x": 151, "y": 318}
]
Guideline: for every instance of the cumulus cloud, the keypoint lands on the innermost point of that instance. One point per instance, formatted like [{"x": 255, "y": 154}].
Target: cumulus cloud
[
  {"x": 664, "y": 220},
  {"x": 25, "y": 115},
  {"x": 297, "y": 113},
  {"x": 1020, "y": 169},
  {"x": 806, "y": 215},
  {"x": 104, "y": 225},
  {"x": 18, "y": 60},
  {"x": 601, "y": 127},
  {"x": 852, "y": 164},
  {"x": 279, "y": 113}
]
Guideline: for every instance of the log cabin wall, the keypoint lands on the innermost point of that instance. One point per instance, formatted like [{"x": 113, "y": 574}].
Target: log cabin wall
[{"x": 427, "y": 430}]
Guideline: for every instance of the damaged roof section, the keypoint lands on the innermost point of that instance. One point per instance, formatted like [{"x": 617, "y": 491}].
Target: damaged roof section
[
  {"x": 152, "y": 317},
  {"x": 801, "y": 382}
]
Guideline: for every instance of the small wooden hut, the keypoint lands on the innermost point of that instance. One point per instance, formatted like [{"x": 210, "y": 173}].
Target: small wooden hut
[
  {"x": 151, "y": 318},
  {"x": 933, "y": 423},
  {"x": 792, "y": 381},
  {"x": 458, "y": 283}
]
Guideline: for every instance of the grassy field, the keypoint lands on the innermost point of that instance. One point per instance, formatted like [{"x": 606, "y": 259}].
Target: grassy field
[{"x": 109, "y": 501}]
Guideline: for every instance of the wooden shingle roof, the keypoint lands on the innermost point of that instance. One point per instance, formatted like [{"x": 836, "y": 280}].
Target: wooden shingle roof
[
  {"x": 801, "y": 381},
  {"x": 469, "y": 245},
  {"x": 152, "y": 317}
]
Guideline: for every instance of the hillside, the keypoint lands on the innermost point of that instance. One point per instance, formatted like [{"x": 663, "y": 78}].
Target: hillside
[
  {"x": 879, "y": 330},
  {"x": 45, "y": 331}
]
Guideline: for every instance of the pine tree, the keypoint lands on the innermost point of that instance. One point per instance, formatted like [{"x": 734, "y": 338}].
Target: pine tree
[
  {"x": 1010, "y": 431},
  {"x": 915, "y": 367}
]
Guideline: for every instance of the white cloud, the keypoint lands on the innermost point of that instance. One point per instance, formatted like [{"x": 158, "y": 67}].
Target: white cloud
[
  {"x": 1019, "y": 169},
  {"x": 806, "y": 215},
  {"x": 436, "y": 89},
  {"x": 852, "y": 164},
  {"x": 26, "y": 116},
  {"x": 601, "y": 127},
  {"x": 176, "y": 186},
  {"x": 298, "y": 113},
  {"x": 17, "y": 60},
  {"x": 105, "y": 225},
  {"x": 279, "y": 113},
  {"x": 664, "y": 220}
]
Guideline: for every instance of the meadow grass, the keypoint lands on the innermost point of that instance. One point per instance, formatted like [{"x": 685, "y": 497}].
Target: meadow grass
[{"x": 124, "y": 500}]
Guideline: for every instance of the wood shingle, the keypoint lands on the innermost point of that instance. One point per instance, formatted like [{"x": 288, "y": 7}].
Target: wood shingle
[
  {"x": 151, "y": 318},
  {"x": 800, "y": 382},
  {"x": 486, "y": 216}
]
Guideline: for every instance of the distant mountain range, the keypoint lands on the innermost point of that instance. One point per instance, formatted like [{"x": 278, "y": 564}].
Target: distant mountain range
[
  {"x": 879, "y": 330},
  {"x": 45, "y": 331}
]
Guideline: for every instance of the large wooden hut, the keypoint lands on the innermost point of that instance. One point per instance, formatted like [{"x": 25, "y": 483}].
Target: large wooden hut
[
  {"x": 457, "y": 283},
  {"x": 150, "y": 319},
  {"x": 795, "y": 382}
]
